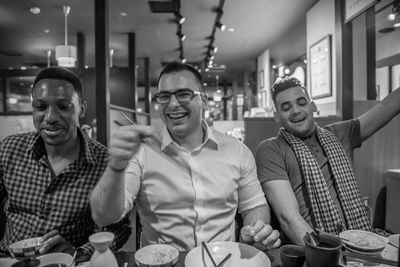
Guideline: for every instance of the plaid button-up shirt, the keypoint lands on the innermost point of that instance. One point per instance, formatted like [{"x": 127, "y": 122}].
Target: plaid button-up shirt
[{"x": 39, "y": 201}]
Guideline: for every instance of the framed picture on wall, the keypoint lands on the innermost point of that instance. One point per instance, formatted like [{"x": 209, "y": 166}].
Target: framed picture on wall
[
  {"x": 321, "y": 68},
  {"x": 261, "y": 79}
]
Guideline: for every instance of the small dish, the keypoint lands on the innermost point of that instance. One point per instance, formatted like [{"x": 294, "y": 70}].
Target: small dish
[
  {"x": 157, "y": 255},
  {"x": 363, "y": 241},
  {"x": 26, "y": 248},
  {"x": 62, "y": 259},
  {"x": 373, "y": 253},
  {"x": 394, "y": 240}
]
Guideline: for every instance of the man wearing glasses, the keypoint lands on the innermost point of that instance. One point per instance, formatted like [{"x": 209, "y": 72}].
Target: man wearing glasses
[{"x": 189, "y": 181}]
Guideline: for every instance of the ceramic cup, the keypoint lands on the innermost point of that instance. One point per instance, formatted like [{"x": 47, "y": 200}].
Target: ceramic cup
[
  {"x": 326, "y": 253},
  {"x": 292, "y": 255}
]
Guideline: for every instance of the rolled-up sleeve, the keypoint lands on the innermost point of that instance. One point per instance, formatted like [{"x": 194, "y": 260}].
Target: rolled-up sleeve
[
  {"x": 250, "y": 191},
  {"x": 132, "y": 176}
]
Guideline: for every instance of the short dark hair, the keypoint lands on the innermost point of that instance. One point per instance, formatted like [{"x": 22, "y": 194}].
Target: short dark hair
[
  {"x": 62, "y": 74},
  {"x": 177, "y": 67},
  {"x": 283, "y": 84}
]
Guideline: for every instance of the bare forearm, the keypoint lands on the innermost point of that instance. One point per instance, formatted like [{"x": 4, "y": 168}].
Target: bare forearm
[
  {"x": 259, "y": 213},
  {"x": 295, "y": 227},
  {"x": 108, "y": 198},
  {"x": 377, "y": 117}
]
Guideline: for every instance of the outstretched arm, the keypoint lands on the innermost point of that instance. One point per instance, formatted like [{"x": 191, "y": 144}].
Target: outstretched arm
[
  {"x": 108, "y": 197},
  {"x": 378, "y": 116},
  {"x": 282, "y": 199}
]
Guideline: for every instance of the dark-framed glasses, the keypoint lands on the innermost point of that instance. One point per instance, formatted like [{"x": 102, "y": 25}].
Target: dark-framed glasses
[{"x": 181, "y": 95}]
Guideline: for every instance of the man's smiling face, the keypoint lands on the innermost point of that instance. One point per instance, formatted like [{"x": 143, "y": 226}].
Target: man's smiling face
[
  {"x": 181, "y": 119},
  {"x": 294, "y": 111}
]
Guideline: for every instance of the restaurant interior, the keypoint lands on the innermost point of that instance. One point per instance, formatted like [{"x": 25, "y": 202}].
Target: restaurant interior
[{"x": 347, "y": 53}]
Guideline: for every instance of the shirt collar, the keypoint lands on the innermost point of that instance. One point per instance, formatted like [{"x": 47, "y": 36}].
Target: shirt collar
[
  {"x": 37, "y": 147},
  {"x": 209, "y": 138}
]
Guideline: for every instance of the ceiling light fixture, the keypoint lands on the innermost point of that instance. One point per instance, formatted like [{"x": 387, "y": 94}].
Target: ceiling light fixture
[
  {"x": 211, "y": 49},
  {"x": 179, "y": 18},
  {"x": 220, "y": 26},
  {"x": 66, "y": 54},
  {"x": 395, "y": 11},
  {"x": 181, "y": 36},
  {"x": 34, "y": 10}
]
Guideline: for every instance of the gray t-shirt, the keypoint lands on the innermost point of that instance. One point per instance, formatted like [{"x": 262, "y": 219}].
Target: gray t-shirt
[{"x": 277, "y": 161}]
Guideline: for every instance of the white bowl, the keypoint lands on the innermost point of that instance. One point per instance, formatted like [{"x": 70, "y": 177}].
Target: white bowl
[
  {"x": 55, "y": 258},
  {"x": 157, "y": 255},
  {"x": 242, "y": 255},
  {"x": 26, "y": 248}
]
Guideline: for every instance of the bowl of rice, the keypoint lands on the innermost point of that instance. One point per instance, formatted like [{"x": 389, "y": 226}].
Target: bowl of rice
[{"x": 159, "y": 255}]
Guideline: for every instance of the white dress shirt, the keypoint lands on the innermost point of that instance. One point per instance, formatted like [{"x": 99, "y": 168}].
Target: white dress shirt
[{"x": 186, "y": 197}]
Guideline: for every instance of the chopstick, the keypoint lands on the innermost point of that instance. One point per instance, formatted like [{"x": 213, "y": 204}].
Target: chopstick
[
  {"x": 224, "y": 260},
  {"x": 209, "y": 254},
  {"x": 127, "y": 118},
  {"x": 368, "y": 258},
  {"x": 117, "y": 123},
  {"x": 154, "y": 138}
]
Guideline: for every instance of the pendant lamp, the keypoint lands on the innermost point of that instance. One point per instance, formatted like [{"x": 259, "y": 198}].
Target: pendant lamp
[{"x": 66, "y": 54}]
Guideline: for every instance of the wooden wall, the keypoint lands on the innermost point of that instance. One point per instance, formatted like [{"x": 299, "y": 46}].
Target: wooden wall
[{"x": 376, "y": 155}]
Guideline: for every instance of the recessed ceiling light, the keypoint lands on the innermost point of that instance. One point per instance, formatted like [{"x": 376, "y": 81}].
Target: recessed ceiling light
[
  {"x": 34, "y": 10},
  {"x": 396, "y": 25},
  {"x": 231, "y": 30},
  {"x": 23, "y": 68},
  {"x": 123, "y": 14},
  {"x": 46, "y": 30},
  {"x": 86, "y": 66}
]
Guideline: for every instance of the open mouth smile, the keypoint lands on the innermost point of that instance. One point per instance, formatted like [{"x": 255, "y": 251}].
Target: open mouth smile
[{"x": 177, "y": 115}]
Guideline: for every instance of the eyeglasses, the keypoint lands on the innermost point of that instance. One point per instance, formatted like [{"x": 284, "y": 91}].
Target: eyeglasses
[{"x": 182, "y": 95}]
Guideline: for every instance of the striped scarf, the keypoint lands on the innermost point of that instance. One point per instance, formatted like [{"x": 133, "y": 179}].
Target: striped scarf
[{"x": 324, "y": 210}]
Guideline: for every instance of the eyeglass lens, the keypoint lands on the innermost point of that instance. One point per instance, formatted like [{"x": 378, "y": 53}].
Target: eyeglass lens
[{"x": 182, "y": 95}]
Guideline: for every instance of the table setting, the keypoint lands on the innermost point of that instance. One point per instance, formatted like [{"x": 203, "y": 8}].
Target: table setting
[{"x": 352, "y": 248}]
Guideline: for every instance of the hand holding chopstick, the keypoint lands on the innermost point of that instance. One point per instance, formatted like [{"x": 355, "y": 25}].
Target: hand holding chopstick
[
  {"x": 153, "y": 137},
  {"x": 125, "y": 143}
]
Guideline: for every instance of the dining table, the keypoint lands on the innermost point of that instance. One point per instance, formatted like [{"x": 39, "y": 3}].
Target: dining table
[{"x": 127, "y": 259}]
